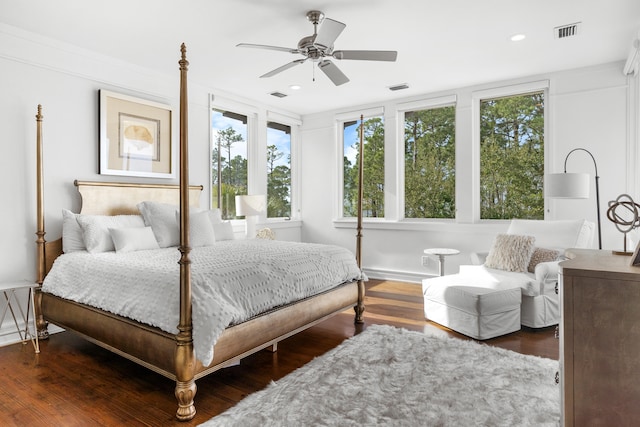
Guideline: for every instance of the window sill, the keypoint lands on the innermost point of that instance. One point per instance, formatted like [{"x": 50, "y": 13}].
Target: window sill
[{"x": 421, "y": 225}]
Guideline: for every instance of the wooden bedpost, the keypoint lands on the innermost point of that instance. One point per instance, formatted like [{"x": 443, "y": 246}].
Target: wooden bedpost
[
  {"x": 41, "y": 325},
  {"x": 359, "y": 308},
  {"x": 185, "y": 356}
]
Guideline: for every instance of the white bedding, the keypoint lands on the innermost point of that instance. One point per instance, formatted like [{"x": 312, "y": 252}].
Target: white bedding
[{"x": 232, "y": 281}]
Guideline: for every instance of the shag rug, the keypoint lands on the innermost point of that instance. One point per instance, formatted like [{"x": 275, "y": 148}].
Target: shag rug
[{"x": 386, "y": 376}]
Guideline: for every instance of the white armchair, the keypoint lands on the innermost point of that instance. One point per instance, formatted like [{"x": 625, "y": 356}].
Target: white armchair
[{"x": 540, "y": 305}]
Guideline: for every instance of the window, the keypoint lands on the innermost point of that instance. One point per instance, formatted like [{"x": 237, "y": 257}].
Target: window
[
  {"x": 228, "y": 160},
  {"x": 512, "y": 157},
  {"x": 278, "y": 170},
  {"x": 429, "y": 163},
  {"x": 373, "y": 184}
]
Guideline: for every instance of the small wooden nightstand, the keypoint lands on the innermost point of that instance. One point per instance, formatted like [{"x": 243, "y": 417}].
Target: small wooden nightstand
[{"x": 13, "y": 306}]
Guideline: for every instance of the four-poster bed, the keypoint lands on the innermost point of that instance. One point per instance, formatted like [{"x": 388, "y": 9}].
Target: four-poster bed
[{"x": 172, "y": 354}]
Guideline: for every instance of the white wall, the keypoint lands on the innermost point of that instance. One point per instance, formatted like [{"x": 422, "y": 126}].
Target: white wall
[{"x": 590, "y": 108}]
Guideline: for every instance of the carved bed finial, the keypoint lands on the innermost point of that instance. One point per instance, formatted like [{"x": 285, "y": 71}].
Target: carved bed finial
[
  {"x": 184, "y": 64},
  {"x": 39, "y": 116}
]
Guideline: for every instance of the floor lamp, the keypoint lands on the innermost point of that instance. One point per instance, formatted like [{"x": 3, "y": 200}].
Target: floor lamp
[
  {"x": 574, "y": 186},
  {"x": 250, "y": 207}
]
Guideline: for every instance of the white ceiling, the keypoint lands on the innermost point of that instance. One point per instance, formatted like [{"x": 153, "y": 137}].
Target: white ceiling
[{"x": 441, "y": 45}]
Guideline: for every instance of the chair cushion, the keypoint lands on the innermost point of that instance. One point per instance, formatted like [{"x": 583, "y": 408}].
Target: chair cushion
[{"x": 557, "y": 234}]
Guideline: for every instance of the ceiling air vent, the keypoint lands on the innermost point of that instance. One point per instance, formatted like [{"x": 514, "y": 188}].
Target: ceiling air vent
[
  {"x": 399, "y": 87},
  {"x": 565, "y": 31},
  {"x": 278, "y": 94}
]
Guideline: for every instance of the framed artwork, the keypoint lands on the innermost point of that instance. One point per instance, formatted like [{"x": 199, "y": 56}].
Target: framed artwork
[{"x": 135, "y": 137}]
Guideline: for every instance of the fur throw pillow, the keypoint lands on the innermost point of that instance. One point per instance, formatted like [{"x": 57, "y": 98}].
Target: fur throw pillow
[
  {"x": 542, "y": 255},
  {"x": 510, "y": 252}
]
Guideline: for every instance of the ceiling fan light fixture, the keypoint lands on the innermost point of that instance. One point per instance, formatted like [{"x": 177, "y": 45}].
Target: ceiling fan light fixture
[
  {"x": 295, "y": 87},
  {"x": 318, "y": 47}
]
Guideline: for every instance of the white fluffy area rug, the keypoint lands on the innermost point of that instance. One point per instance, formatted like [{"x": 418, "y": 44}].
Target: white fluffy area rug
[{"x": 386, "y": 376}]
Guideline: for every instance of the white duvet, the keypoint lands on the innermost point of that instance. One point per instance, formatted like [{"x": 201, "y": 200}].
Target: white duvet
[{"x": 232, "y": 281}]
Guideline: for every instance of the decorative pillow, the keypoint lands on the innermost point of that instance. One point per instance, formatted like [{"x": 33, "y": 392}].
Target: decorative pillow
[
  {"x": 223, "y": 231},
  {"x": 200, "y": 229},
  {"x": 72, "y": 240},
  {"x": 129, "y": 239},
  {"x": 215, "y": 216},
  {"x": 162, "y": 219},
  {"x": 95, "y": 229},
  {"x": 542, "y": 255},
  {"x": 510, "y": 252}
]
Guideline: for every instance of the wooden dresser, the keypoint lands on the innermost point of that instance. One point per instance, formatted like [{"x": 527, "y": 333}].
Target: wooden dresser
[{"x": 599, "y": 339}]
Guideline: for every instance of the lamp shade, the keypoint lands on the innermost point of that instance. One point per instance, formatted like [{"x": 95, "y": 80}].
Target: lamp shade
[
  {"x": 567, "y": 185},
  {"x": 250, "y": 205}
]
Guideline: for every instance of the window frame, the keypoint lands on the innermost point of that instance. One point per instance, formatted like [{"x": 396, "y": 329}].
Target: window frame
[
  {"x": 294, "y": 164},
  {"x": 501, "y": 92},
  {"x": 340, "y": 119},
  {"x": 401, "y": 110}
]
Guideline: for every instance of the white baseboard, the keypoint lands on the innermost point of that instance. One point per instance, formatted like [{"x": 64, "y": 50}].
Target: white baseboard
[{"x": 400, "y": 276}]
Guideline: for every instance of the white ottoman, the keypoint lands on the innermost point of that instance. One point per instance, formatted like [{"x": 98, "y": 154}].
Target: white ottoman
[{"x": 472, "y": 306}]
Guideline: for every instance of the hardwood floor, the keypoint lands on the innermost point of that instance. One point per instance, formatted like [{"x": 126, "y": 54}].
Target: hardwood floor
[{"x": 75, "y": 383}]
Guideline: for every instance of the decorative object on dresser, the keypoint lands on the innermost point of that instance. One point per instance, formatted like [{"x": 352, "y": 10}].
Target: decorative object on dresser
[
  {"x": 599, "y": 340},
  {"x": 623, "y": 212},
  {"x": 387, "y": 376},
  {"x": 574, "y": 186}
]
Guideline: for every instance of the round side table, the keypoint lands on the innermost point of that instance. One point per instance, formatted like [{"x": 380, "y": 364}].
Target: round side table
[{"x": 441, "y": 253}]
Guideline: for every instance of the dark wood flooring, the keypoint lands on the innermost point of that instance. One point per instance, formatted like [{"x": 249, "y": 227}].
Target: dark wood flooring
[{"x": 75, "y": 383}]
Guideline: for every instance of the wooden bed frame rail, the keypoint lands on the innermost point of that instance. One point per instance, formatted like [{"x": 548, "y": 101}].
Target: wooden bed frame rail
[{"x": 173, "y": 355}]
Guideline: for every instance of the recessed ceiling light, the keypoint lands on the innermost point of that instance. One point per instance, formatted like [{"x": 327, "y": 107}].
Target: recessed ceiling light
[
  {"x": 518, "y": 37},
  {"x": 295, "y": 87}
]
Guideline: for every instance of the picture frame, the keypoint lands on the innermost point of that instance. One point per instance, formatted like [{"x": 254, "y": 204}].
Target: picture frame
[
  {"x": 135, "y": 137},
  {"x": 635, "y": 257}
]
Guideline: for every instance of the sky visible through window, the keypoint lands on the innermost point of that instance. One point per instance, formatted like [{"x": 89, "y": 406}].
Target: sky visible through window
[
  {"x": 220, "y": 122},
  {"x": 282, "y": 141},
  {"x": 351, "y": 140}
]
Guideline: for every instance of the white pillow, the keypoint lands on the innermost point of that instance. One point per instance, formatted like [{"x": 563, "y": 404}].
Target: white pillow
[
  {"x": 200, "y": 229},
  {"x": 162, "y": 219},
  {"x": 215, "y": 216},
  {"x": 95, "y": 229},
  {"x": 72, "y": 240},
  {"x": 129, "y": 239},
  {"x": 223, "y": 231},
  {"x": 510, "y": 252}
]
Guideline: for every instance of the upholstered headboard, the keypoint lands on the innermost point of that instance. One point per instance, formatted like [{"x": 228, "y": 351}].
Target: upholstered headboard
[{"x": 116, "y": 198}]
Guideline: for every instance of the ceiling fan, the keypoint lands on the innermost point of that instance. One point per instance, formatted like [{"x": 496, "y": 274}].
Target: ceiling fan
[{"x": 318, "y": 47}]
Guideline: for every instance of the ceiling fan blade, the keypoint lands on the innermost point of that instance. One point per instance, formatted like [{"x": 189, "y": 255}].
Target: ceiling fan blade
[
  {"x": 284, "y": 67},
  {"x": 328, "y": 33},
  {"x": 264, "y": 46},
  {"x": 366, "y": 55},
  {"x": 333, "y": 72}
]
